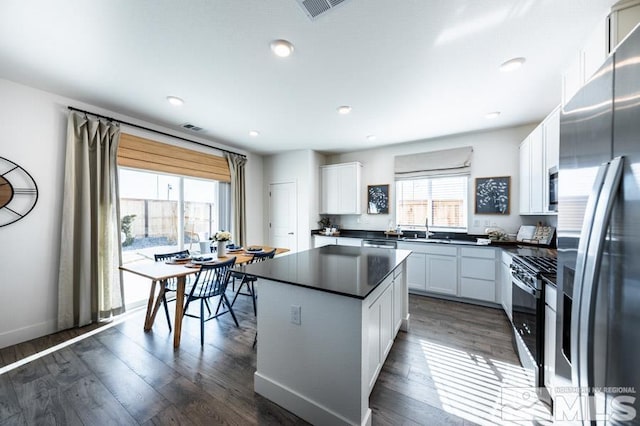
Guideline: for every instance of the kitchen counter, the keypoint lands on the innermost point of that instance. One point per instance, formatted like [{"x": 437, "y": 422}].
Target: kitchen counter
[
  {"x": 438, "y": 238},
  {"x": 346, "y": 271},
  {"x": 327, "y": 319}
]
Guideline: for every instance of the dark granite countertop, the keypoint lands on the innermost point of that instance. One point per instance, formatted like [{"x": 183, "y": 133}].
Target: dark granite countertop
[
  {"x": 409, "y": 237},
  {"x": 347, "y": 271}
]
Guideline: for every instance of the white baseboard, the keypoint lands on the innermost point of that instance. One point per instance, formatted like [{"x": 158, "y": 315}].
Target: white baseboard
[
  {"x": 13, "y": 337},
  {"x": 300, "y": 405}
]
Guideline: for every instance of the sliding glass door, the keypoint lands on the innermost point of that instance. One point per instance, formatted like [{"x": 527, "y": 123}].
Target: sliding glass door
[{"x": 163, "y": 213}]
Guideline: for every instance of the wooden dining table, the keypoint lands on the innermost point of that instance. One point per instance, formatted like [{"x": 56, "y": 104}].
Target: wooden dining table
[{"x": 158, "y": 272}]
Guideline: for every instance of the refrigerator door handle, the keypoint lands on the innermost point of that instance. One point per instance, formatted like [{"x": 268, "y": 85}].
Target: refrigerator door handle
[
  {"x": 589, "y": 281},
  {"x": 583, "y": 245}
]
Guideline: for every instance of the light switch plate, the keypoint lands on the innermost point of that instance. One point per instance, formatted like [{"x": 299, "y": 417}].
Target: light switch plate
[{"x": 296, "y": 316}]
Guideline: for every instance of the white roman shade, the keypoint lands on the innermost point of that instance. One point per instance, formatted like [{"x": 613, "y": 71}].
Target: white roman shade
[{"x": 453, "y": 161}]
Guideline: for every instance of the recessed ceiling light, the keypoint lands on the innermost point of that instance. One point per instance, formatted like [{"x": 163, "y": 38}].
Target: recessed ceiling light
[
  {"x": 344, "y": 109},
  {"x": 492, "y": 115},
  {"x": 371, "y": 138},
  {"x": 282, "y": 48},
  {"x": 175, "y": 101},
  {"x": 512, "y": 64},
  {"x": 254, "y": 133}
]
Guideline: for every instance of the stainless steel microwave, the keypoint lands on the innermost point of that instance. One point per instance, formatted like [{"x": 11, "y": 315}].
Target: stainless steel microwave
[{"x": 553, "y": 189}]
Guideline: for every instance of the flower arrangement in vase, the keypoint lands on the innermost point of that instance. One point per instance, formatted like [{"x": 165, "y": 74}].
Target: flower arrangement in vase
[{"x": 221, "y": 237}]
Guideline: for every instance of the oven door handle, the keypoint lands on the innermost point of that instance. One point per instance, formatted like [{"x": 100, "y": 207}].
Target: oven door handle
[{"x": 527, "y": 289}]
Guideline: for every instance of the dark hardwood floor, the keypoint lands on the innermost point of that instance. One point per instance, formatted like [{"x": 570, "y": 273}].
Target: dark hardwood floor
[{"x": 448, "y": 369}]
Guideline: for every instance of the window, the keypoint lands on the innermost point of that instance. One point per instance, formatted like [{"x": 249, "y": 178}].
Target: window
[
  {"x": 162, "y": 213},
  {"x": 440, "y": 200}
]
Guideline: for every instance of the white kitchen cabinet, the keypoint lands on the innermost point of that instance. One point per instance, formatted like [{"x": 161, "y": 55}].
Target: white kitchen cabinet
[
  {"x": 505, "y": 284},
  {"x": 432, "y": 268},
  {"x": 321, "y": 241},
  {"x": 595, "y": 50},
  {"x": 538, "y": 153},
  {"x": 442, "y": 276},
  {"x": 624, "y": 16},
  {"x": 399, "y": 293},
  {"x": 380, "y": 330},
  {"x": 525, "y": 176},
  {"x": 550, "y": 338},
  {"x": 341, "y": 188},
  {"x": 348, "y": 241},
  {"x": 551, "y": 128},
  {"x": 478, "y": 273},
  {"x": 417, "y": 271}
]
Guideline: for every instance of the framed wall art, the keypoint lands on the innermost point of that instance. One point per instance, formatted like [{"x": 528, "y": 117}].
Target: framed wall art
[
  {"x": 378, "y": 199},
  {"x": 492, "y": 195}
]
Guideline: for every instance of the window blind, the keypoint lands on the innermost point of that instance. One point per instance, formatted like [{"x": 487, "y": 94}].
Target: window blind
[
  {"x": 147, "y": 154},
  {"x": 435, "y": 163}
]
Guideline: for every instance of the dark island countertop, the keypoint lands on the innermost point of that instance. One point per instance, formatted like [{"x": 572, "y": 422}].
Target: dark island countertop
[{"x": 347, "y": 271}]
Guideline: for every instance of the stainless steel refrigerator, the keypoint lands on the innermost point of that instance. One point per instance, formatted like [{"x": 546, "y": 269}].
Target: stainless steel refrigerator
[{"x": 598, "y": 310}]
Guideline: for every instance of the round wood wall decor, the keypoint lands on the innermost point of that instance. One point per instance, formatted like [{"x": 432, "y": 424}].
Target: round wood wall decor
[{"x": 18, "y": 192}]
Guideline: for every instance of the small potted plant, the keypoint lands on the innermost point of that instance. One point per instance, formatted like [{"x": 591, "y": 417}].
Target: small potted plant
[
  {"x": 325, "y": 223},
  {"x": 221, "y": 237}
]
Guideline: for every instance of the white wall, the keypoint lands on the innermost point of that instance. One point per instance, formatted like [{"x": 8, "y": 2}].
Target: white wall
[
  {"x": 495, "y": 153},
  {"x": 303, "y": 168},
  {"x": 32, "y": 134}
]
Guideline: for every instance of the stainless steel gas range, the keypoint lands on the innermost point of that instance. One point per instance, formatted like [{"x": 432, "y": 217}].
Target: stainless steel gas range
[{"x": 528, "y": 311}]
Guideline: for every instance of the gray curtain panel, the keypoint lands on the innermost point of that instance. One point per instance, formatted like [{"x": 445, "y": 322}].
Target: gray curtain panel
[
  {"x": 89, "y": 281},
  {"x": 238, "y": 197}
]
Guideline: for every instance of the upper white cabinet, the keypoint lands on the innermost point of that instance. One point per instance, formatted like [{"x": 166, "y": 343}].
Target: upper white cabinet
[
  {"x": 604, "y": 38},
  {"x": 341, "y": 188},
  {"x": 537, "y": 169},
  {"x": 525, "y": 176},
  {"x": 624, "y": 16},
  {"x": 539, "y": 152}
]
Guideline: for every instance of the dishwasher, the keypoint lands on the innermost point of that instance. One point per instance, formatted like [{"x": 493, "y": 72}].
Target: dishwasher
[{"x": 386, "y": 244}]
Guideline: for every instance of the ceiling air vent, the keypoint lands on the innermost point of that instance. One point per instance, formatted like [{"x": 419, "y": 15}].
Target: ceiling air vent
[
  {"x": 315, "y": 8},
  {"x": 191, "y": 127}
]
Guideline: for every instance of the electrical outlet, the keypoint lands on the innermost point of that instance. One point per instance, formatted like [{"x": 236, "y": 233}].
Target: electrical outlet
[{"x": 296, "y": 314}]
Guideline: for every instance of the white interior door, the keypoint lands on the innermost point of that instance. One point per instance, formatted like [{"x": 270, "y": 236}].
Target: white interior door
[{"x": 282, "y": 215}]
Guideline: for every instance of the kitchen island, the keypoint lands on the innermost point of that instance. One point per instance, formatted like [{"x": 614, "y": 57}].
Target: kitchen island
[{"x": 327, "y": 319}]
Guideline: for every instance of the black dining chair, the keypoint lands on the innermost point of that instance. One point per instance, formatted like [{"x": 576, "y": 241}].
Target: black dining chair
[
  {"x": 172, "y": 283},
  {"x": 211, "y": 281},
  {"x": 249, "y": 280}
]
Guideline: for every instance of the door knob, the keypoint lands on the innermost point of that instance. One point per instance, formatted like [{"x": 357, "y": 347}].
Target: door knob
[{"x": 290, "y": 233}]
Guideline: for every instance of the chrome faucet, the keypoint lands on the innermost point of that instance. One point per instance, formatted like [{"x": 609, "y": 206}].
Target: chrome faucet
[{"x": 427, "y": 234}]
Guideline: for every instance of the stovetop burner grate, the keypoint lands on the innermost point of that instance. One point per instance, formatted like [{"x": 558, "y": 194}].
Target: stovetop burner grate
[{"x": 539, "y": 264}]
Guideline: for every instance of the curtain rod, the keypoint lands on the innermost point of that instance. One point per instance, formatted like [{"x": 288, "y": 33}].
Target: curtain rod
[{"x": 154, "y": 131}]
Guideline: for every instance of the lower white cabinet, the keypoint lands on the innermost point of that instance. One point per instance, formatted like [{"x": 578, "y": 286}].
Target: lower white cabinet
[
  {"x": 442, "y": 276},
  {"x": 321, "y": 241},
  {"x": 550, "y": 338},
  {"x": 348, "y": 241},
  {"x": 417, "y": 271},
  {"x": 326, "y": 240},
  {"x": 432, "y": 268},
  {"x": 505, "y": 278},
  {"x": 381, "y": 331},
  {"x": 478, "y": 273},
  {"x": 399, "y": 293}
]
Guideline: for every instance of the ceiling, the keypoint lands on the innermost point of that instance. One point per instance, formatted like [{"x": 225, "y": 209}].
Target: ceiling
[{"x": 410, "y": 69}]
